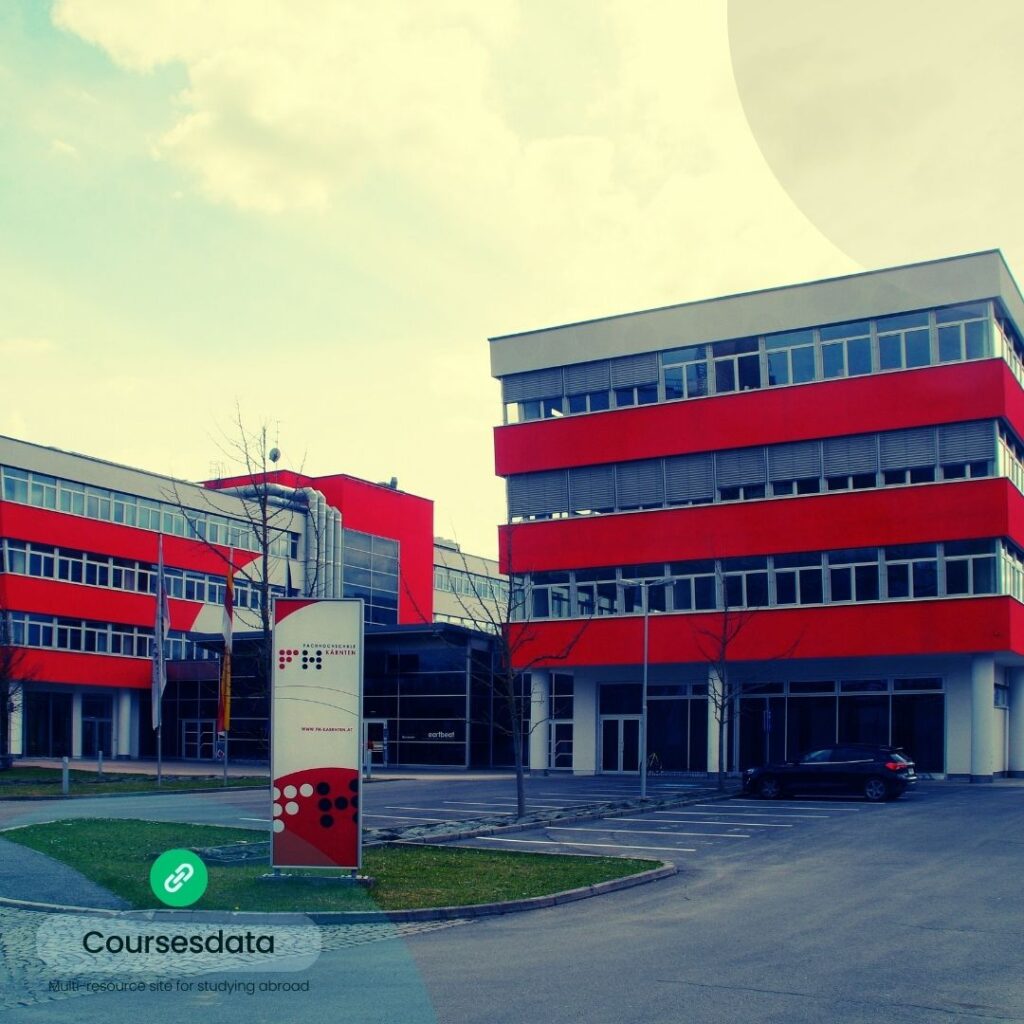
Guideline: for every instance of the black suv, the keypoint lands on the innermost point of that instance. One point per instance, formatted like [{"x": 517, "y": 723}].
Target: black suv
[{"x": 876, "y": 772}]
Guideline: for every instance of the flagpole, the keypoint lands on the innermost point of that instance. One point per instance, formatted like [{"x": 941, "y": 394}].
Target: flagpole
[
  {"x": 226, "y": 668},
  {"x": 159, "y": 753}
]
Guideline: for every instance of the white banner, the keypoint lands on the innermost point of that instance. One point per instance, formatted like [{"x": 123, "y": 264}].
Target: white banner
[{"x": 316, "y": 738}]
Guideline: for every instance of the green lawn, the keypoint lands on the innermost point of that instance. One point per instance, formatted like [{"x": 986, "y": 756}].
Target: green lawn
[
  {"x": 117, "y": 854},
  {"x": 46, "y": 782}
]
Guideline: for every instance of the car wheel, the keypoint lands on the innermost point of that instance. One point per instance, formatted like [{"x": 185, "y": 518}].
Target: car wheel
[
  {"x": 875, "y": 789},
  {"x": 769, "y": 788}
]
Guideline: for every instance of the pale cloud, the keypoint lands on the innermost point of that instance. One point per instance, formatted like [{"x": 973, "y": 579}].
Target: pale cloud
[
  {"x": 25, "y": 346},
  {"x": 62, "y": 148}
]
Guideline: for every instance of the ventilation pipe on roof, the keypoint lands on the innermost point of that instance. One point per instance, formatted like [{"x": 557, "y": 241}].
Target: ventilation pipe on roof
[
  {"x": 326, "y": 588},
  {"x": 316, "y": 542},
  {"x": 337, "y": 571}
]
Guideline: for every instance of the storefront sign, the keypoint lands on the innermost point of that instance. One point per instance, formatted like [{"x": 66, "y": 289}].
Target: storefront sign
[{"x": 316, "y": 731}]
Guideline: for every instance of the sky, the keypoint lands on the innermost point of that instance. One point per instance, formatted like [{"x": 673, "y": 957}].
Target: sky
[{"x": 319, "y": 211}]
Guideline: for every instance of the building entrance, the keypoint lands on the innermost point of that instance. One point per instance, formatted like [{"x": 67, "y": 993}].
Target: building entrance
[
  {"x": 376, "y": 741},
  {"x": 620, "y": 743}
]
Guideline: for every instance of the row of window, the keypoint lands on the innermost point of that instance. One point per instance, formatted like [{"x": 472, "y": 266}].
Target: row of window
[
  {"x": 918, "y": 571},
  {"x": 901, "y": 342},
  {"x": 44, "y": 561},
  {"x": 62, "y": 634},
  {"x": 32, "y": 488},
  {"x": 801, "y": 688},
  {"x": 470, "y": 584},
  {"x": 893, "y": 458}
]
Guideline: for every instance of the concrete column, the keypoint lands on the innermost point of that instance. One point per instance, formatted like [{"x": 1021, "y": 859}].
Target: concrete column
[
  {"x": 983, "y": 681},
  {"x": 540, "y": 726},
  {"x": 76, "y": 724},
  {"x": 584, "y": 727},
  {"x": 123, "y": 724},
  {"x": 1015, "y": 678},
  {"x": 16, "y": 720},
  {"x": 714, "y": 687}
]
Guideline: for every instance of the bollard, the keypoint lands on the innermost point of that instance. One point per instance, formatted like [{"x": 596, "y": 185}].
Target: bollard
[
  {"x": 64, "y": 781},
  {"x": 99, "y": 766}
]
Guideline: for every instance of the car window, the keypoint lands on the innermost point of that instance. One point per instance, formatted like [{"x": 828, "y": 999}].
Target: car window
[
  {"x": 851, "y": 754},
  {"x": 817, "y": 756}
]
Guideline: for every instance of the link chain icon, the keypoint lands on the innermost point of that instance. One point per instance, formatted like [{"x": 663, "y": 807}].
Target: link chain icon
[{"x": 178, "y": 878}]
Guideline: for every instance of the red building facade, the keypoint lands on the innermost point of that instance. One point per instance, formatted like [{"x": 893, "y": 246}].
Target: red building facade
[
  {"x": 80, "y": 543},
  {"x": 837, "y": 465}
]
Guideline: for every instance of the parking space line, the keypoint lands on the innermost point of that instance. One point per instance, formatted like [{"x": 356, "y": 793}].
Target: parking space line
[
  {"x": 497, "y": 803},
  {"x": 468, "y": 815},
  {"x": 798, "y": 804},
  {"x": 755, "y": 814},
  {"x": 254, "y": 819},
  {"x": 597, "y": 846},
  {"x": 690, "y": 821},
  {"x": 647, "y": 832},
  {"x": 400, "y": 817}
]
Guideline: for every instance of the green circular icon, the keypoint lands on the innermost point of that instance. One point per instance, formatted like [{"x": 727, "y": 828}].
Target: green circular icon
[{"x": 178, "y": 878}]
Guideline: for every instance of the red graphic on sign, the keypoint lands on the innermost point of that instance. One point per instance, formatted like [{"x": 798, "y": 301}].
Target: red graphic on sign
[{"x": 316, "y": 818}]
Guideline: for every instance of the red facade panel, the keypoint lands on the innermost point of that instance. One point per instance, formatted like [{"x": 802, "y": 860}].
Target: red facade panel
[
  {"x": 887, "y": 401},
  {"x": 28, "y": 523},
  {"x": 952, "y": 626},
  {"x": 86, "y": 669},
  {"x": 958, "y": 510}
]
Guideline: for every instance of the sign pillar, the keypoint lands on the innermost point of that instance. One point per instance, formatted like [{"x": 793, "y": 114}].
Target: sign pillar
[{"x": 316, "y": 733}]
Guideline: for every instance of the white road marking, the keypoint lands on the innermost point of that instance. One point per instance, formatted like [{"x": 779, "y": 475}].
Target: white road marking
[
  {"x": 800, "y": 805},
  {"x": 440, "y": 810},
  {"x": 254, "y": 819},
  {"x": 754, "y": 814},
  {"x": 646, "y": 832},
  {"x": 401, "y": 817},
  {"x": 599, "y": 846},
  {"x": 690, "y": 821}
]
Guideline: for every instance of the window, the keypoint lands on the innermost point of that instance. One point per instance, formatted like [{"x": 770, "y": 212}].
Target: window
[
  {"x": 798, "y": 579},
  {"x": 596, "y": 592},
  {"x": 790, "y": 357},
  {"x": 694, "y": 590},
  {"x": 550, "y": 595},
  {"x": 970, "y": 566},
  {"x": 853, "y": 574},
  {"x": 964, "y": 332},
  {"x": 745, "y": 582},
  {"x": 44, "y": 491},
  {"x": 912, "y": 570},
  {"x": 15, "y": 485},
  {"x": 904, "y": 341},
  {"x": 589, "y": 401},
  {"x": 685, "y": 372},
  {"x": 846, "y": 350},
  {"x": 737, "y": 365},
  {"x": 633, "y": 594}
]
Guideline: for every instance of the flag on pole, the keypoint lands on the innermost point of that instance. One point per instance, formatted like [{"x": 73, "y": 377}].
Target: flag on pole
[
  {"x": 224, "y": 703},
  {"x": 161, "y": 630}
]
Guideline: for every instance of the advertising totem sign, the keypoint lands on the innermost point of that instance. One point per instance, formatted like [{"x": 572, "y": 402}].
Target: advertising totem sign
[{"x": 316, "y": 731}]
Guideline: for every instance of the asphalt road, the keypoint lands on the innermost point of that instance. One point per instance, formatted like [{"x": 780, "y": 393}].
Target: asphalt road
[{"x": 909, "y": 913}]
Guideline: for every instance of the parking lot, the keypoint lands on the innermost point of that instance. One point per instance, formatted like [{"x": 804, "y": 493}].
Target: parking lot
[{"x": 685, "y": 833}]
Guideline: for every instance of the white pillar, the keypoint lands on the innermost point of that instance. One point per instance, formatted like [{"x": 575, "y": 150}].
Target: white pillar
[
  {"x": 584, "y": 726},
  {"x": 540, "y": 725},
  {"x": 714, "y": 688},
  {"x": 76, "y": 724},
  {"x": 1015, "y": 767},
  {"x": 983, "y": 681},
  {"x": 123, "y": 715},
  {"x": 16, "y": 719}
]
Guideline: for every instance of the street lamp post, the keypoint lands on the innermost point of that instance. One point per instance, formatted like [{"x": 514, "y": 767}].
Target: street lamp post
[{"x": 645, "y": 586}]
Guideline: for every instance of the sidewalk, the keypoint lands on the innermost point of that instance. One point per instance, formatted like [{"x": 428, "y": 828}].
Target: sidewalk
[{"x": 203, "y": 769}]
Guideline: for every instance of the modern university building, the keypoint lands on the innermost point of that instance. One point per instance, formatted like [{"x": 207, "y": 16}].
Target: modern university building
[
  {"x": 79, "y": 538},
  {"x": 838, "y": 464}
]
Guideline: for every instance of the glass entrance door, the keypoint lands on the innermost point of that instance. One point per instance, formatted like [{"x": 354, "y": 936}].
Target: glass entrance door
[
  {"x": 97, "y": 725},
  {"x": 198, "y": 736},
  {"x": 620, "y": 743},
  {"x": 376, "y": 733}
]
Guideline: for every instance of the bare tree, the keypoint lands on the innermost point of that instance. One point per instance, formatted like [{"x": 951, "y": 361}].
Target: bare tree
[
  {"x": 14, "y": 673},
  {"x": 717, "y": 644},
  {"x": 266, "y": 507},
  {"x": 516, "y": 653}
]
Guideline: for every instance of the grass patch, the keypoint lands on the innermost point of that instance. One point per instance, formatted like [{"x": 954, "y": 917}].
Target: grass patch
[
  {"x": 47, "y": 781},
  {"x": 117, "y": 854}
]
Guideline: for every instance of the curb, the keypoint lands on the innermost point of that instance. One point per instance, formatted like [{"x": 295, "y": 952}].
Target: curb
[
  {"x": 144, "y": 792},
  {"x": 358, "y": 916}
]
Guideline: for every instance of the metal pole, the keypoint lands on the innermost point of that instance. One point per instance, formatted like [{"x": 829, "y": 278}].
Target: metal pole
[
  {"x": 643, "y": 719},
  {"x": 159, "y": 754},
  {"x": 64, "y": 780},
  {"x": 99, "y": 766},
  {"x": 225, "y": 758}
]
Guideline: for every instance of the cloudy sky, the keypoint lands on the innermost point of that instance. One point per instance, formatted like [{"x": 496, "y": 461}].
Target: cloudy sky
[{"x": 322, "y": 209}]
